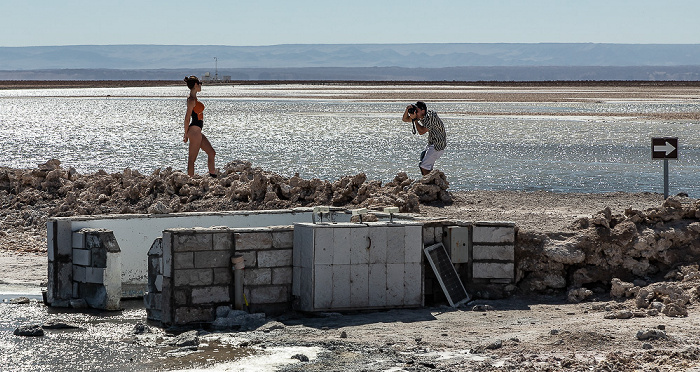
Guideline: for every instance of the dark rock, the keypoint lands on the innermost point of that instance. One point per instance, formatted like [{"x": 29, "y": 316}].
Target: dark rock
[
  {"x": 650, "y": 334},
  {"x": 33, "y": 330},
  {"x": 59, "y": 324},
  {"x": 19, "y": 301}
]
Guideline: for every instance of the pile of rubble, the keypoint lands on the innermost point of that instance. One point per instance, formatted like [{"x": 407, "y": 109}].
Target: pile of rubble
[
  {"x": 621, "y": 254},
  {"x": 30, "y": 196}
]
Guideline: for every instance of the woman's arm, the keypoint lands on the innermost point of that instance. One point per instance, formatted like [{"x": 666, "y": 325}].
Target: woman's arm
[{"x": 188, "y": 116}]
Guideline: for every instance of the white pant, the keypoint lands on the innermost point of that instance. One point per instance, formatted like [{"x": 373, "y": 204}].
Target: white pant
[{"x": 428, "y": 160}]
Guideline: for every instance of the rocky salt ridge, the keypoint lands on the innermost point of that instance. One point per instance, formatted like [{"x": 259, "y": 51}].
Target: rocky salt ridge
[
  {"x": 604, "y": 251},
  {"x": 30, "y": 196},
  {"x": 647, "y": 257}
]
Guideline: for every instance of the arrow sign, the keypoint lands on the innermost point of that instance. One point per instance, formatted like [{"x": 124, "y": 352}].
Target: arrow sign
[
  {"x": 664, "y": 148},
  {"x": 667, "y": 148}
]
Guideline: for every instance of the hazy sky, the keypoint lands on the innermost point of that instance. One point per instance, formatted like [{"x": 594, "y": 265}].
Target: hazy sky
[{"x": 269, "y": 22}]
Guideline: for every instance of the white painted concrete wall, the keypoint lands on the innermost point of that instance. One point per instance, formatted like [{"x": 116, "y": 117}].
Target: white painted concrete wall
[{"x": 135, "y": 233}]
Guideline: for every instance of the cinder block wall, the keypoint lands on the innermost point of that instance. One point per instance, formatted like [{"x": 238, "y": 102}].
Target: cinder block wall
[
  {"x": 89, "y": 271},
  {"x": 197, "y": 274},
  {"x": 267, "y": 254},
  {"x": 488, "y": 265},
  {"x": 493, "y": 252},
  {"x": 435, "y": 232}
]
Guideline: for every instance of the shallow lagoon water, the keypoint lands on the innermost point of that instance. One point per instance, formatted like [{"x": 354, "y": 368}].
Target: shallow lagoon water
[{"x": 327, "y": 138}]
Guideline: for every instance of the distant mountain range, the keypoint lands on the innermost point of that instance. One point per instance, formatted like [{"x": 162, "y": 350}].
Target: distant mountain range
[{"x": 359, "y": 61}]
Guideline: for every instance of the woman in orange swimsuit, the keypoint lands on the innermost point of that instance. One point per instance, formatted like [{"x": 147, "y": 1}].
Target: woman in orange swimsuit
[{"x": 193, "y": 128}]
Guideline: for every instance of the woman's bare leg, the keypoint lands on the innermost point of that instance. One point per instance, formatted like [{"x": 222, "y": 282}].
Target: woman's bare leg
[
  {"x": 195, "y": 139},
  {"x": 207, "y": 147}
]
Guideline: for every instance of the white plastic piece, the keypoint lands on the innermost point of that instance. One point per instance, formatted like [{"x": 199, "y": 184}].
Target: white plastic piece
[
  {"x": 321, "y": 209},
  {"x": 359, "y": 212},
  {"x": 391, "y": 210}
]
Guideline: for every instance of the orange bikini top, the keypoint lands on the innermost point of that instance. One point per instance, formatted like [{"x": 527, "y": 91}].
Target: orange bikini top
[{"x": 197, "y": 112}]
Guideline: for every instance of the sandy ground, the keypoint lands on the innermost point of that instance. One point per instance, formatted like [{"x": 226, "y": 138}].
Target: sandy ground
[{"x": 523, "y": 333}]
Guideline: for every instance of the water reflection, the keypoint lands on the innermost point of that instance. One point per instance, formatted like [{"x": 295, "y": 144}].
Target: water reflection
[{"x": 141, "y": 128}]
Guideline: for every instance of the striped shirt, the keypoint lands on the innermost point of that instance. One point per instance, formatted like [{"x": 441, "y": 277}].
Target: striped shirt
[{"x": 436, "y": 130}]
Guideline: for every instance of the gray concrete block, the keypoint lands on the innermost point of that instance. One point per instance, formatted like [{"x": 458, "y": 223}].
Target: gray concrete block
[
  {"x": 412, "y": 244},
  {"x": 360, "y": 246},
  {"x": 323, "y": 292},
  {"x": 359, "y": 285},
  {"x": 183, "y": 260},
  {"x": 153, "y": 301},
  {"x": 250, "y": 258},
  {"x": 428, "y": 235},
  {"x": 341, "y": 286},
  {"x": 197, "y": 241},
  {"x": 159, "y": 283},
  {"x": 395, "y": 249},
  {"x": 253, "y": 241},
  {"x": 81, "y": 257},
  {"x": 167, "y": 255},
  {"x": 283, "y": 239},
  {"x": 493, "y": 234},
  {"x": 193, "y": 277},
  {"x": 65, "y": 280},
  {"x": 413, "y": 294},
  {"x": 491, "y": 252},
  {"x": 488, "y": 270},
  {"x": 64, "y": 237},
  {"x": 269, "y": 294},
  {"x": 51, "y": 243},
  {"x": 210, "y": 295},
  {"x": 78, "y": 240},
  {"x": 323, "y": 246},
  {"x": 282, "y": 275},
  {"x": 79, "y": 274},
  {"x": 275, "y": 258},
  {"x": 395, "y": 284},
  {"x": 378, "y": 244},
  {"x": 342, "y": 245},
  {"x": 257, "y": 277},
  {"x": 212, "y": 259},
  {"x": 94, "y": 275},
  {"x": 185, "y": 315},
  {"x": 181, "y": 297},
  {"x": 222, "y": 242},
  {"x": 223, "y": 276},
  {"x": 377, "y": 285}
]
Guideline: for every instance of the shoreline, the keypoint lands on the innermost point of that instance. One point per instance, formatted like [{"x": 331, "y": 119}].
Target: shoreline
[{"x": 34, "y": 84}]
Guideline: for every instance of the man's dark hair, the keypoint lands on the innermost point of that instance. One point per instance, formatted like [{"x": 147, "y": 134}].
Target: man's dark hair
[{"x": 421, "y": 105}]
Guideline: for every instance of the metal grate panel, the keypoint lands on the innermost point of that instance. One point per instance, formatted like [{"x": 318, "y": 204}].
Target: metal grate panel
[{"x": 446, "y": 274}]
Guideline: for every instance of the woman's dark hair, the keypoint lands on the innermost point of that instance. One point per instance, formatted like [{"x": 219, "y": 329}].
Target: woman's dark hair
[
  {"x": 191, "y": 81},
  {"x": 421, "y": 105}
]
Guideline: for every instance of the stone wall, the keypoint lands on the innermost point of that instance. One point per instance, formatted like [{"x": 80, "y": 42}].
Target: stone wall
[{"x": 197, "y": 274}]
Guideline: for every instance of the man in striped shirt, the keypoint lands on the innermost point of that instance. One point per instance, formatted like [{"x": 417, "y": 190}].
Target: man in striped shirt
[{"x": 427, "y": 121}]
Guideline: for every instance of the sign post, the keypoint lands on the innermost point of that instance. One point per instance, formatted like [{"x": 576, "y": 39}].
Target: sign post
[{"x": 664, "y": 148}]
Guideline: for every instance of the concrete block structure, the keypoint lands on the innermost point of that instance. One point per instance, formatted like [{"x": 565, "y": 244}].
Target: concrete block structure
[
  {"x": 90, "y": 270},
  {"x": 185, "y": 271},
  {"x": 357, "y": 266},
  {"x": 493, "y": 252}
]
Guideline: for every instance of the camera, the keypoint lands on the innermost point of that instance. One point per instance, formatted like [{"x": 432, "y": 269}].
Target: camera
[{"x": 412, "y": 109}]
